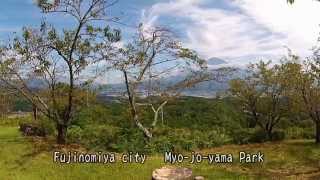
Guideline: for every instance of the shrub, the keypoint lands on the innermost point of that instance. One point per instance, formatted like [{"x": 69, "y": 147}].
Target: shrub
[
  {"x": 178, "y": 140},
  {"x": 47, "y": 125},
  {"x": 100, "y": 136},
  {"x": 106, "y": 137},
  {"x": 131, "y": 139},
  {"x": 218, "y": 137},
  {"x": 160, "y": 144},
  {"x": 242, "y": 135},
  {"x": 75, "y": 134},
  {"x": 201, "y": 140},
  {"x": 29, "y": 129},
  {"x": 308, "y": 133},
  {"x": 278, "y": 135},
  {"x": 91, "y": 115},
  {"x": 299, "y": 133},
  {"x": 258, "y": 136}
]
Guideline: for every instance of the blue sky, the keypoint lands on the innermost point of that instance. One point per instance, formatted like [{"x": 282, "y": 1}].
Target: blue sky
[{"x": 239, "y": 31}]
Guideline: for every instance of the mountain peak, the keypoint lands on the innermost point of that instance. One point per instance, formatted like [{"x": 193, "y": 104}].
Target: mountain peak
[{"x": 216, "y": 61}]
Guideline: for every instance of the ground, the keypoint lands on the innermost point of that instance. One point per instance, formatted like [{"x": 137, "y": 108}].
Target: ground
[{"x": 25, "y": 158}]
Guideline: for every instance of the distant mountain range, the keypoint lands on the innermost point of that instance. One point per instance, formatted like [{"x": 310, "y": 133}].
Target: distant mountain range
[{"x": 204, "y": 89}]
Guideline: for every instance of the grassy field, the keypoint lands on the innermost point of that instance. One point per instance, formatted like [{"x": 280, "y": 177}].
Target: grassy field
[{"x": 22, "y": 158}]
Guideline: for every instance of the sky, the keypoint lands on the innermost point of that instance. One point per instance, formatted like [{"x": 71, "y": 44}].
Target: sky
[{"x": 238, "y": 31}]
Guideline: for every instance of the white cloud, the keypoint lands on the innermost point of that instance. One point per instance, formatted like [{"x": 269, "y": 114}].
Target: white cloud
[
  {"x": 299, "y": 23},
  {"x": 255, "y": 29},
  {"x": 148, "y": 20}
]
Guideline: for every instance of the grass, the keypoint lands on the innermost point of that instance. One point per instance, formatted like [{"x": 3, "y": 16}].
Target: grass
[{"x": 22, "y": 158}]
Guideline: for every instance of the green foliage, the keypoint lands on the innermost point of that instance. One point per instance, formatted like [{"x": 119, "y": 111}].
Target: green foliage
[
  {"x": 75, "y": 134},
  {"x": 184, "y": 128},
  {"x": 47, "y": 125},
  {"x": 93, "y": 125},
  {"x": 290, "y": 1},
  {"x": 258, "y": 136},
  {"x": 112, "y": 114},
  {"x": 262, "y": 97},
  {"x": 180, "y": 140},
  {"x": 41, "y": 127},
  {"x": 242, "y": 135},
  {"x": 161, "y": 144},
  {"x": 21, "y": 104},
  {"x": 278, "y": 135},
  {"x": 14, "y": 120},
  {"x": 254, "y": 135},
  {"x": 189, "y": 124},
  {"x": 100, "y": 137},
  {"x": 131, "y": 139},
  {"x": 300, "y": 132}
]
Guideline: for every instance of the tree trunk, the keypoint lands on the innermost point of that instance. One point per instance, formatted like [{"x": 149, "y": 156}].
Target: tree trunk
[
  {"x": 134, "y": 112},
  {"x": 156, "y": 114},
  {"x": 35, "y": 112},
  {"x": 269, "y": 133},
  {"x": 145, "y": 131},
  {"x": 317, "y": 132},
  {"x": 62, "y": 134}
]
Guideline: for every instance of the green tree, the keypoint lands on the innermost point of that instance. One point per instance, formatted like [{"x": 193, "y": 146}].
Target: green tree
[
  {"x": 262, "y": 95},
  {"x": 49, "y": 56},
  {"x": 304, "y": 81},
  {"x": 247, "y": 93}
]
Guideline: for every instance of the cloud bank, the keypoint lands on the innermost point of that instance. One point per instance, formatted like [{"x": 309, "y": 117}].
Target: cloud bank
[{"x": 241, "y": 30}]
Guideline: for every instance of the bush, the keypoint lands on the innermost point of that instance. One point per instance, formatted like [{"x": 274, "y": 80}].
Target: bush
[
  {"x": 160, "y": 144},
  {"x": 99, "y": 137},
  {"x": 242, "y": 135},
  {"x": 179, "y": 140},
  {"x": 42, "y": 127},
  {"x": 29, "y": 129},
  {"x": 91, "y": 115},
  {"x": 278, "y": 135},
  {"x": 299, "y": 133},
  {"x": 201, "y": 140},
  {"x": 131, "y": 139},
  {"x": 217, "y": 137},
  {"x": 47, "y": 125},
  {"x": 258, "y": 136},
  {"x": 75, "y": 134},
  {"x": 308, "y": 133},
  {"x": 114, "y": 115}
]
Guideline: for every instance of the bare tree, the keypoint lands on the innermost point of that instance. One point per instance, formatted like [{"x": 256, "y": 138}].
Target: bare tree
[{"x": 146, "y": 62}]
